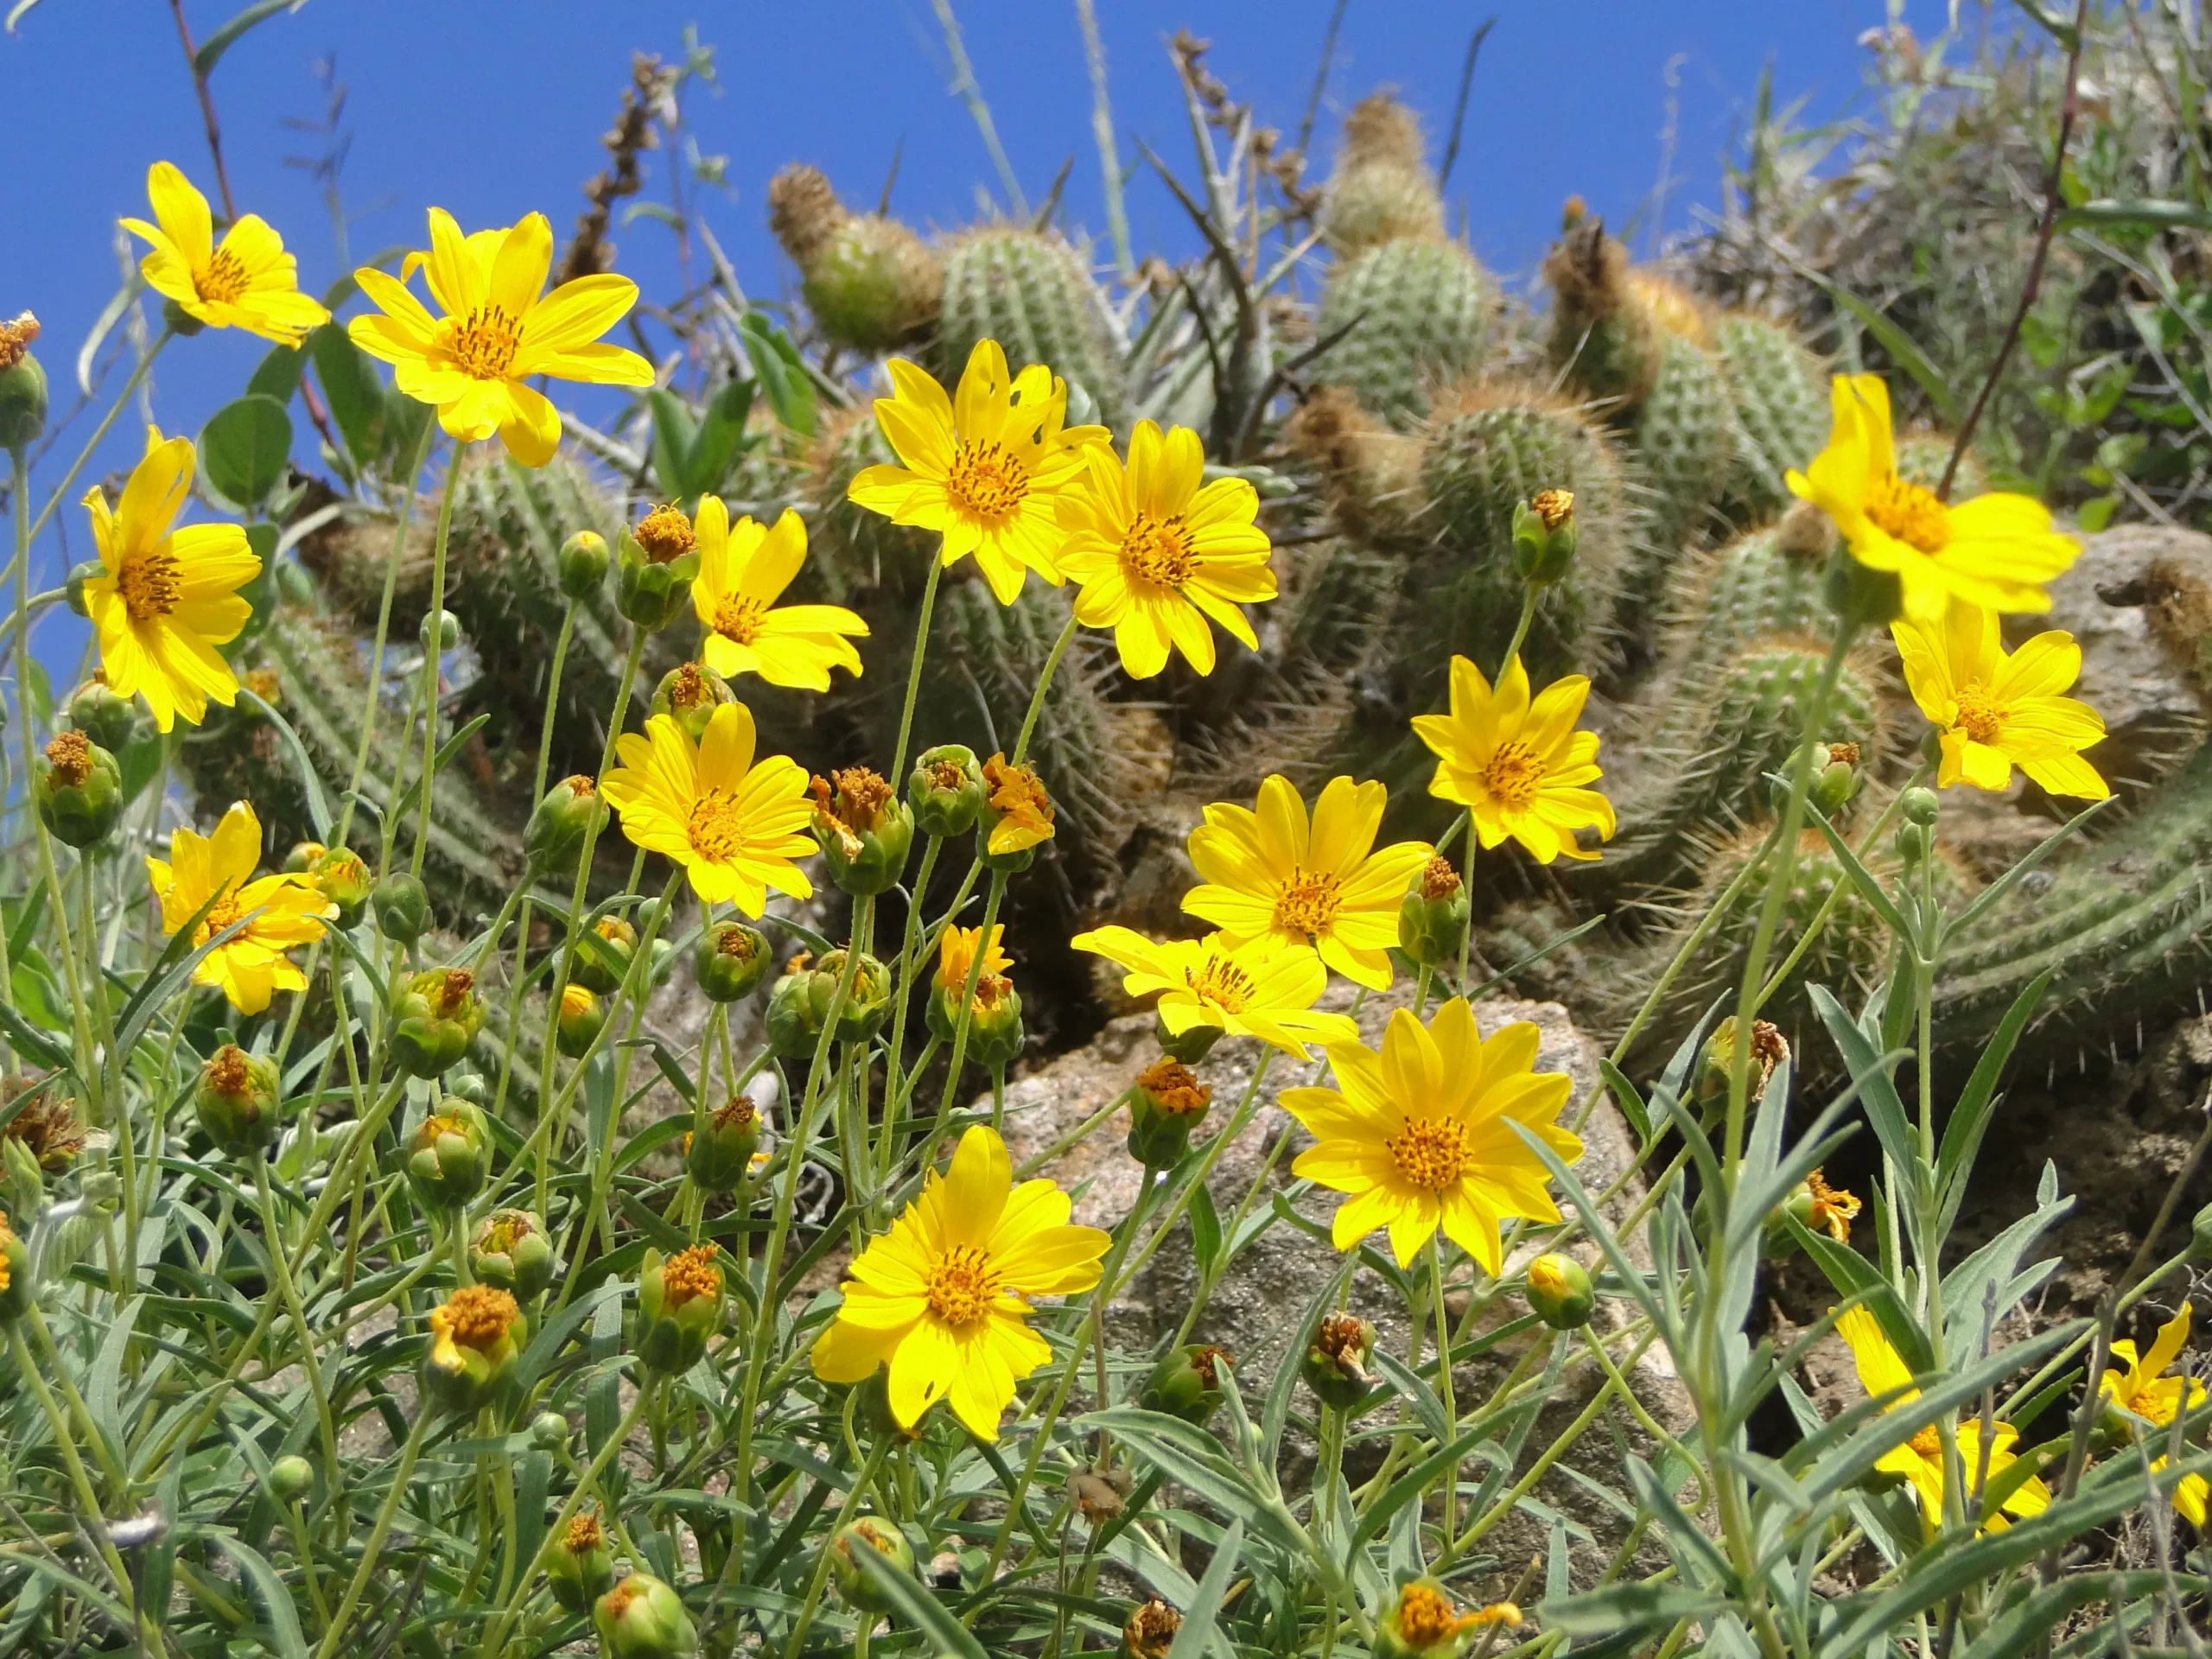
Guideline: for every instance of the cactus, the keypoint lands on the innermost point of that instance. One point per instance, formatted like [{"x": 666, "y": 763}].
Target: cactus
[
  {"x": 1418, "y": 310},
  {"x": 870, "y": 282},
  {"x": 1604, "y": 340},
  {"x": 1032, "y": 292},
  {"x": 1764, "y": 585},
  {"x": 1781, "y": 405},
  {"x": 1381, "y": 191},
  {"x": 1685, "y": 443}
]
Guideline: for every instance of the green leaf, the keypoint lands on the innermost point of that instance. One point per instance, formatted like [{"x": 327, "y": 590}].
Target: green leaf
[
  {"x": 922, "y": 1610},
  {"x": 283, "y": 1618},
  {"x": 782, "y": 373},
  {"x": 673, "y": 432},
  {"x": 244, "y": 448},
  {"x": 261, "y": 593},
  {"x": 720, "y": 436},
  {"x": 354, "y": 391},
  {"x": 1196, "y": 1633},
  {"x": 1869, "y": 1074},
  {"x": 1205, "y": 1229},
  {"x": 409, "y": 796},
  {"x": 279, "y": 374},
  {"x": 212, "y": 49},
  {"x": 1898, "y": 344},
  {"x": 1970, "y": 1117},
  {"x": 1193, "y": 1458},
  {"x": 2043, "y": 848},
  {"x": 2147, "y": 212},
  {"x": 2032, "y": 1617},
  {"x": 1622, "y": 1608}
]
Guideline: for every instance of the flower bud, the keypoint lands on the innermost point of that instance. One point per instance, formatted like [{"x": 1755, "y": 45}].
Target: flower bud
[
  {"x": 78, "y": 790},
  {"x": 731, "y": 959},
  {"x": 577, "y": 1026},
  {"x": 403, "y": 907},
  {"x": 548, "y": 1431},
  {"x": 1150, "y": 1632},
  {"x": 1017, "y": 815},
  {"x": 341, "y": 876},
  {"x": 718, "y": 1155},
  {"x": 15, "y": 1286},
  {"x": 579, "y": 1566},
  {"x": 689, "y": 694},
  {"x": 1432, "y": 916},
  {"x": 604, "y": 955},
  {"x": 945, "y": 789},
  {"x": 23, "y": 386},
  {"x": 655, "y": 565},
  {"x": 472, "y": 1086},
  {"x": 239, "y": 1101},
  {"x": 865, "y": 831},
  {"x": 83, "y": 571},
  {"x": 643, "y": 1619},
  {"x": 1768, "y": 1049},
  {"x": 2200, "y": 1236},
  {"x": 1559, "y": 1292},
  {"x": 1190, "y": 1046},
  {"x": 1425, "y": 1624},
  {"x": 301, "y": 860},
  {"x": 1335, "y": 1366},
  {"x": 1186, "y": 1384},
  {"x": 444, "y": 629},
  {"x": 450, "y": 1155},
  {"x": 1920, "y": 806},
  {"x": 108, "y": 719},
  {"x": 476, "y": 1338},
  {"x": 802, "y": 1000},
  {"x": 1836, "y": 776},
  {"x": 511, "y": 1250},
  {"x": 582, "y": 564},
  {"x": 434, "y": 1021},
  {"x": 1544, "y": 537},
  {"x": 290, "y": 1478},
  {"x": 1166, "y": 1104},
  {"x": 679, "y": 1307},
  {"x": 1816, "y": 1206},
  {"x": 889, "y": 1545},
  {"x": 995, "y": 1031},
  {"x": 571, "y": 811}
]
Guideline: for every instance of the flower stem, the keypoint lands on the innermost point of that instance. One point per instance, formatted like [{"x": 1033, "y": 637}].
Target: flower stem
[
  {"x": 1044, "y": 684},
  {"x": 914, "y": 672},
  {"x": 1529, "y": 594},
  {"x": 433, "y": 655},
  {"x": 272, "y": 1236},
  {"x": 343, "y": 1616}
]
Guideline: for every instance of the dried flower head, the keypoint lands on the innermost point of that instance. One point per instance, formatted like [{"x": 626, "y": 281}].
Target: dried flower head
[
  {"x": 1438, "y": 880},
  {"x": 475, "y": 1316},
  {"x": 1151, "y": 1630},
  {"x": 737, "y": 1113},
  {"x": 1554, "y": 507},
  {"x": 665, "y": 534},
  {"x": 453, "y": 990},
  {"x": 735, "y": 942},
  {"x": 226, "y": 1073},
  {"x": 70, "y": 755},
  {"x": 15, "y": 340},
  {"x": 1843, "y": 754},
  {"x": 49, "y": 1128},
  {"x": 1834, "y": 1209},
  {"x": 695, "y": 1271},
  {"x": 585, "y": 1532},
  {"x": 1175, "y": 1087},
  {"x": 1342, "y": 1337}
]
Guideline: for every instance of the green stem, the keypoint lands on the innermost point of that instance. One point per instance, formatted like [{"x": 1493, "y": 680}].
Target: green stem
[
  {"x": 433, "y": 655},
  {"x": 812, "y": 1600},
  {"x": 272, "y": 1235},
  {"x": 902, "y": 999},
  {"x": 1444, "y": 1378},
  {"x": 914, "y": 674},
  {"x": 1044, "y": 681},
  {"x": 1529, "y": 594},
  {"x": 408, "y": 1454}
]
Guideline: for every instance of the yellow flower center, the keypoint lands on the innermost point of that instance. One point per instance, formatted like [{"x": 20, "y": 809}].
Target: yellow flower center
[
  {"x": 149, "y": 586},
  {"x": 478, "y": 1316},
  {"x": 1158, "y": 551},
  {"x": 716, "y": 826},
  {"x": 1514, "y": 774},
  {"x": 1981, "y": 717},
  {"x": 1911, "y": 514},
  {"x": 690, "y": 1274},
  {"x": 1430, "y": 1153},
  {"x": 224, "y": 913},
  {"x": 962, "y": 1284},
  {"x": 223, "y": 280},
  {"x": 1927, "y": 1443},
  {"x": 15, "y": 340},
  {"x": 70, "y": 755},
  {"x": 1308, "y": 903},
  {"x": 1225, "y": 985},
  {"x": 738, "y": 618},
  {"x": 1426, "y": 1619},
  {"x": 484, "y": 344},
  {"x": 987, "y": 480}
]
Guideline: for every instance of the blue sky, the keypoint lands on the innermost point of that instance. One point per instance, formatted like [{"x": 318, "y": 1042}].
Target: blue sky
[{"x": 492, "y": 108}]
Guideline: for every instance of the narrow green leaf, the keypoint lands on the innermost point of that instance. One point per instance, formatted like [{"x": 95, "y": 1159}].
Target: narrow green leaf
[
  {"x": 212, "y": 49},
  {"x": 1205, "y": 1230},
  {"x": 282, "y": 1618},
  {"x": 2003, "y": 884},
  {"x": 2147, "y": 212},
  {"x": 1196, "y": 1634},
  {"x": 921, "y": 1608},
  {"x": 310, "y": 781},
  {"x": 1621, "y": 1609},
  {"x": 413, "y": 793},
  {"x": 1970, "y": 1117},
  {"x": 1898, "y": 344}
]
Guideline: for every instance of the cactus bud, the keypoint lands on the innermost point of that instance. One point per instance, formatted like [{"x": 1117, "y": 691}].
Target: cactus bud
[
  {"x": 603, "y": 955},
  {"x": 871, "y": 1533},
  {"x": 802, "y": 998},
  {"x": 290, "y": 1478},
  {"x": 582, "y": 1018},
  {"x": 1432, "y": 916},
  {"x": 1166, "y": 1104},
  {"x": 1186, "y": 1384},
  {"x": 1768, "y": 1049},
  {"x": 450, "y": 1155},
  {"x": 582, "y": 564},
  {"x": 1150, "y": 1632},
  {"x": 643, "y": 1619},
  {"x": 579, "y": 1566},
  {"x": 689, "y": 694},
  {"x": 1335, "y": 1366},
  {"x": 1425, "y": 1624},
  {"x": 434, "y": 1021},
  {"x": 23, "y": 386},
  {"x": 476, "y": 1338},
  {"x": 439, "y": 633},
  {"x": 945, "y": 791},
  {"x": 1559, "y": 1292},
  {"x": 239, "y": 1101},
  {"x": 341, "y": 876},
  {"x": 403, "y": 907},
  {"x": 1016, "y": 816},
  {"x": 679, "y": 1307},
  {"x": 864, "y": 831},
  {"x": 718, "y": 1154},
  {"x": 731, "y": 959},
  {"x": 1544, "y": 537},
  {"x": 655, "y": 563},
  {"x": 95, "y": 711},
  {"x": 15, "y": 1286},
  {"x": 510, "y": 1250},
  {"x": 78, "y": 790},
  {"x": 558, "y": 824}
]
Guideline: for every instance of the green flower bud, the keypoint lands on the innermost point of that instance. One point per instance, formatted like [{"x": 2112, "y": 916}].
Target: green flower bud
[
  {"x": 995, "y": 1033},
  {"x": 83, "y": 571},
  {"x": 450, "y": 1155},
  {"x": 1166, "y": 1104},
  {"x": 1814, "y": 1205},
  {"x": 1920, "y": 806},
  {"x": 718, "y": 1152},
  {"x": 604, "y": 955},
  {"x": 341, "y": 876},
  {"x": 1018, "y": 816},
  {"x": 472, "y": 1086},
  {"x": 1768, "y": 1049},
  {"x": 865, "y": 831},
  {"x": 23, "y": 386},
  {"x": 108, "y": 719},
  {"x": 1190, "y": 1046},
  {"x": 180, "y": 321},
  {"x": 731, "y": 959},
  {"x": 582, "y": 564},
  {"x": 1836, "y": 776},
  {"x": 577, "y": 1026},
  {"x": 78, "y": 790},
  {"x": 1150, "y": 1632},
  {"x": 16, "y": 1289},
  {"x": 1559, "y": 1292},
  {"x": 290, "y": 1478},
  {"x": 511, "y": 1250},
  {"x": 889, "y": 1545},
  {"x": 549, "y": 1431},
  {"x": 239, "y": 1101},
  {"x": 446, "y": 631},
  {"x": 301, "y": 860},
  {"x": 802, "y": 1000},
  {"x": 643, "y": 1619},
  {"x": 655, "y": 565},
  {"x": 579, "y": 1566},
  {"x": 1544, "y": 537},
  {"x": 434, "y": 1021},
  {"x": 572, "y": 808},
  {"x": 475, "y": 1339},
  {"x": 679, "y": 1307},
  {"x": 689, "y": 694},
  {"x": 1335, "y": 1366},
  {"x": 1432, "y": 916},
  {"x": 403, "y": 907},
  {"x": 945, "y": 791},
  {"x": 2200, "y": 1236},
  {"x": 1186, "y": 1384},
  {"x": 1859, "y": 596}
]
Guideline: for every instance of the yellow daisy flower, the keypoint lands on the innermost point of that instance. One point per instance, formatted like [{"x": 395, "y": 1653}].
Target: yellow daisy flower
[
  {"x": 1995, "y": 711},
  {"x": 956, "y": 954},
  {"x": 1996, "y": 550},
  {"x": 1920, "y": 1459},
  {"x": 944, "y": 1297},
  {"x": 500, "y": 329},
  {"x": 984, "y": 467},
  {"x": 1272, "y": 874},
  {"x": 1256, "y": 990},
  {"x": 1518, "y": 766},
  {"x": 1158, "y": 551},
  {"x": 734, "y": 826},
  {"x": 743, "y": 569},
  {"x": 166, "y": 597},
  {"x": 246, "y": 282},
  {"x": 1421, "y": 1134},
  {"x": 251, "y": 967},
  {"x": 2144, "y": 1390}
]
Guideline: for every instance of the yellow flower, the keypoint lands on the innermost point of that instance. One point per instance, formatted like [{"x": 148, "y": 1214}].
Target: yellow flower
[
  {"x": 1996, "y": 711},
  {"x": 733, "y": 825},
  {"x": 1920, "y": 1459},
  {"x": 251, "y": 967},
  {"x": 1829, "y": 1210},
  {"x": 2192, "y": 1496},
  {"x": 247, "y": 282},
  {"x": 1158, "y": 551},
  {"x": 2144, "y": 1390},
  {"x": 1249, "y": 991},
  {"x": 1421, "y": 1134},
  {"x": 1996, "y": 550},
  {"x": 956, "y": 954},
  {"x": 500, "y": 329},
  {"x": 166, "y": 597},
  {"x": 1269, "y": 875},
  {"x": 984, "y": 467},
  {"x": 1022, "y": 810},
  {"x": 944, "y": 1296},
  {"x": 1518, "y": 766},
  {"x": 743, "y": 570}
]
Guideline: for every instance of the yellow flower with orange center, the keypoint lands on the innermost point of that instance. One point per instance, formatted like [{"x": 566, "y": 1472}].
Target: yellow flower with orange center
[
  {"x": 1516, "y": 764},
  {"x": 2144, "y": 1390},
  {"x": 247, "y": 281},
  {"x": 743, "y": 569},
  {"x": 1258, "y": 989},
  {"x": 1994, "y": 710},
  {"x": 279, "y": 911},
  {"x": 956, "y": 955}
]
